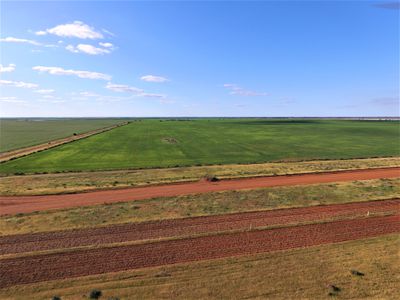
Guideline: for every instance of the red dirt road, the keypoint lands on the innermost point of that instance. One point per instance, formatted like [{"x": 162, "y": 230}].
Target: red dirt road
[
  {"x": 26, "y": 204},
  {"x": 190, "y": 226},
  {"x": 30, "y": 269}
]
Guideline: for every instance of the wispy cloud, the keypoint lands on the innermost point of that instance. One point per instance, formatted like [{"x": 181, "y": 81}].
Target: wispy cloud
[
  {"x": 25, "y": 41},
  {"x": 75, "y": 29},
  {"x": 18, "y": 40},
  {"x": 88, "y": 94},
  {"x": 133, "y": 90},
  {"x": 18, "y": 84},
  {"x": 152, "y": 95},
  {"x": 44, "y": 91},
  {"x": 88, "y": 49},
  {"x": 239, "y": 91},
  {"x": 4, "y": 69},
  {"x": 123, "y": 88},
  {"x": 152, "y": 78},
  {"x": 12, "y": 100},
  {"x": 395, "y": 5},
  {"x": 78, "y": 73}
]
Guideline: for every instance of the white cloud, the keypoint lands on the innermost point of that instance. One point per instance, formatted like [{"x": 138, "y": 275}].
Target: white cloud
[
  {"x": 43, "y": 91},
  {"x": 18, "y": 40},
  {"x": 152, "y": 78},
  {"x": 80, "y": 74},
  {"x": 236, "y": 90},
  {"x": 88, "y": 49},
  {"x": 106, "y": 45},
  {"x": 76, "y": 29},
  {"x": 41, "y": 32},
  {"x": 123, "y": 88},
  {"x": 10, "y": 68},
  {"x": 19, "y": 84}
]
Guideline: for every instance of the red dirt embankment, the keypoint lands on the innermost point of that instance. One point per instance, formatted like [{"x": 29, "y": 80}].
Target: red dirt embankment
[
  {"x": 30, "y": 269},
  {"x": 25, "y": 204},
  {"x": 190, "y": 226}
]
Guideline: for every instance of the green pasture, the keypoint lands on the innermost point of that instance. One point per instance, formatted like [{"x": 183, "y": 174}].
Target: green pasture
[
  {"x": 20, "y": 133},
  {"x": 153, "y": 143}
]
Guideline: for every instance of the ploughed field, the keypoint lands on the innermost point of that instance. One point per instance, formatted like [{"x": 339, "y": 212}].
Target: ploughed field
[
  {"x": 154, "y": 143},
  {"x": 153, "y": 230},
  {"x": 80, "y": 262}
]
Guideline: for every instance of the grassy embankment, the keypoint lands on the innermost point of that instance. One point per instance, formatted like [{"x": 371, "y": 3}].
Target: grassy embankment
[
  {"x": 169, "y": 143},
  {"x": 275, "y": 275},
  {"x": 201, "y": 205}
]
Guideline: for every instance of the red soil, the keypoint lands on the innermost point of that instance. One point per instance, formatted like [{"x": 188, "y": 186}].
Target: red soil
[
  {"x": 30, "y": 269},
  {"x": 25, "y": 204},
  {"x": 190, "y": 226}
]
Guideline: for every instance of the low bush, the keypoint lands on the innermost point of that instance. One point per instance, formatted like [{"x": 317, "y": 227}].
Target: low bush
[{"x": 95, "y": 294}]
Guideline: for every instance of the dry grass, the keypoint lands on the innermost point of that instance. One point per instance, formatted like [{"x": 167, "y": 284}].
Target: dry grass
[
  {"x": 201, "y": 205},
  {"x": 293, "y": 274},
  {"x": 86, "y": 181}
]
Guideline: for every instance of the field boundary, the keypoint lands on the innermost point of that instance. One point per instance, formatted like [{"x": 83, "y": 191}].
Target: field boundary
[{"x": 17, "y": 153}]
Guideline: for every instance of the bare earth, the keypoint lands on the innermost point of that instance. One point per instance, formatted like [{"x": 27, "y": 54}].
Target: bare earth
[
  {"x": 30, "y": 269},
  {"x": 190, "y": 226},
  {"x": 26, "y": 204}
]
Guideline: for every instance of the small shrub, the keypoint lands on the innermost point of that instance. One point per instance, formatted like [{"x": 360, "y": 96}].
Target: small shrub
[
  {"x": 211, "y": 178},
  {"x": 357, "y": 273},
  {"x": 335, "y": 288},
  {"x": 95, "y": 294}
]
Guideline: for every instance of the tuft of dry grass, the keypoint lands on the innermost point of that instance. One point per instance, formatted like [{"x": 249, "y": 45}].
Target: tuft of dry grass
[{"x": 306, "y": 273}]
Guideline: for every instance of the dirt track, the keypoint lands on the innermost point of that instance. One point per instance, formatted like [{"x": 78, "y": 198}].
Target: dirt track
[
  {"x": 38, "y": 268},
  {"x": 190, "y": 226},
  {"x": 5, "y": 156},
  {"x": 25, "y": 204}
]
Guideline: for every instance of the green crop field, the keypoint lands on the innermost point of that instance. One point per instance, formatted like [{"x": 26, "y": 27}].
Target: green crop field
[
  {"x": 19, "y": 133},
  {"x": 167, "y": 143}
]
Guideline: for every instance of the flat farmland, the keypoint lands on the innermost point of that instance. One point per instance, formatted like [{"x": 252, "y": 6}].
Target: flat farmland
[
  {"x": 21, "y": 133},
  {"x": 152, "y": 143}
]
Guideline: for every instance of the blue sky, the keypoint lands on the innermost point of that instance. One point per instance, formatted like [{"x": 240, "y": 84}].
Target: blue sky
[{"x": 209, "y": 58}]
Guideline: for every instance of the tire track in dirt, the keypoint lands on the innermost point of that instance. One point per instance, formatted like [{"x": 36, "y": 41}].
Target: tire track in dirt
[
  {"x": 30, "y": 269},
  {"x": 189, "y": 226},
  {"x": 26, "y": 204}
]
